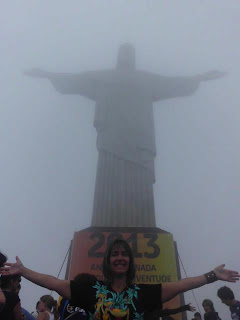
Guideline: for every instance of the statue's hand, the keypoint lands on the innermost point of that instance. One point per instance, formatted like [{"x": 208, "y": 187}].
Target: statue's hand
[
  {"x": 212, "y": 75},
  {"x": 35, "y": 72}
]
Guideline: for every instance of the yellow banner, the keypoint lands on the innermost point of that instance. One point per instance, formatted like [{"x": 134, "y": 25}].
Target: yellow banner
[{"x": 154, "y": 255}]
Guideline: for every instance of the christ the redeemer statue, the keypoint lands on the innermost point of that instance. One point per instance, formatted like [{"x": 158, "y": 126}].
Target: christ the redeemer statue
[{"x": 125, "y": 133}]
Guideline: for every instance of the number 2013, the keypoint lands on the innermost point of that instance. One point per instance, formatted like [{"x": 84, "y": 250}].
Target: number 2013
[{"x": 154, "y": 249}]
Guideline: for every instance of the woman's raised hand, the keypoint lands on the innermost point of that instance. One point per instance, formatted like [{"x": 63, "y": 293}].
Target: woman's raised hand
[
  {"x": 192, "y": 309},
  {"x": 10, "y": 269},
  {"x": 225, "y": 274}
]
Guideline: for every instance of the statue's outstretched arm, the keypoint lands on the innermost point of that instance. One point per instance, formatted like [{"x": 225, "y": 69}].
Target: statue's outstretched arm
[
  {"x": 210, "y": 75},
  {"x": 172, "y": 87},
  {"x": 38, "y": 73},
  {"x": 84, "y": 84}
]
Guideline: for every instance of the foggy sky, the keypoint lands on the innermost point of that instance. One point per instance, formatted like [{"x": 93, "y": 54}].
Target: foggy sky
[{"x": 48, "y": 143}]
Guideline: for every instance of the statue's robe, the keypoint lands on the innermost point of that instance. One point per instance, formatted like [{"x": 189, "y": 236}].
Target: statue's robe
[{"x": 125, "y": 138}]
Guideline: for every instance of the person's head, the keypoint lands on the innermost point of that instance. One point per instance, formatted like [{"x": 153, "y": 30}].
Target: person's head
[
  {"x": 208, "y": 305},
  {"x": 11, "y": 283},
  {"x": 3, "y": 259},
  {"x": 46, "y": 303},
  {"x": 197, "y": 316},
  {"x": 226, "y": 295},
  {"x": 166, "y": 318},
  {"x": 85, "y": 278},
  {"x": 37, "y": 304},
  {"x": 118, "y": 261},
  {"x": 126, "y": 57}
]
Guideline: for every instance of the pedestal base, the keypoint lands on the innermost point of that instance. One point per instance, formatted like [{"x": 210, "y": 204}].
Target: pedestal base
[{"x": 154, "y": 251}]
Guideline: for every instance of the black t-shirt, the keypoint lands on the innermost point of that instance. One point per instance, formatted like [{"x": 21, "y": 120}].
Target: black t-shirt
[
  {"x": 65, "y": 309},
  {"x": 12, "y": 299},
  {"x": 102, "y": 303},
  {"x": 235, "y": 311},
  {"x": 212, "y": 315}
]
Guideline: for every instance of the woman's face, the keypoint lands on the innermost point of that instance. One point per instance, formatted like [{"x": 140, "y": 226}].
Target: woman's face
[
  {"x": 207, "y": 308},
  {"x": 41, "y": 306},
  {"x": 119, "y": 260}
]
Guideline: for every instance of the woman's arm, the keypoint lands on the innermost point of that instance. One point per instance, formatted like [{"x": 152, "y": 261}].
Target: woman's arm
[
  {"x": 167, "y": 312},
  {"x": 62, "y": 287},
  {"x": 171, "y": 289}
]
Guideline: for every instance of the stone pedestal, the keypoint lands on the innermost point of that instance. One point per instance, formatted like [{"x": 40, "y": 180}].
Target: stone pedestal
[{"x": 154, "y": 251}]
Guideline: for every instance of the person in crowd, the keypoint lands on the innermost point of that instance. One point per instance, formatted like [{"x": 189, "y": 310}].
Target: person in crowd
[
  {"x": 227, "y": 297},
  {"x": 2, "y": 300},
  {"x": 66, "y": 310},
  {"x": 10, "y": 285},
  {"x": 35, "y": 313},
  {"x": 118, "y": 296},
  {"x": 197, "y": 316},
  {"x": 165, "y": 313},
  {"x": 3, "y": 259},
  {"x": 27, "y": 315},
  {"x": 210, "y": 313},
  {"x": 47, "y": 308}
]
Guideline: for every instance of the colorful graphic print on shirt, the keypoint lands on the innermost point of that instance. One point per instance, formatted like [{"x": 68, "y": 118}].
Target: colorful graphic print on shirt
[{"x": 115, "y": 305}]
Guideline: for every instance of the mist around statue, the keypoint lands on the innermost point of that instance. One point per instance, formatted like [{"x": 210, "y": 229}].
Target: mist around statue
[{"x": 68, "y": 159}]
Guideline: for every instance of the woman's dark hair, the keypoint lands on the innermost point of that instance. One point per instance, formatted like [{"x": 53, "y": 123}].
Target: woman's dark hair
[
  {"x": 197, "y": 314},
  {"x": 106, "y": 268},
  {"x": 6, "y": 281},
  {"x": 48, "y": 301},
  {"x": 50, "y": 304},
  {"x": 208, "y": 303},
  {"x": 85, "y": 278},
  {"x": 3, "y": 259},
  {"x": 225, "y": 293}
]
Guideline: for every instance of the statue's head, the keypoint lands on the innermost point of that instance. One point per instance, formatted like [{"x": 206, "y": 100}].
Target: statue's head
[{"x": 126, "y": 57}]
